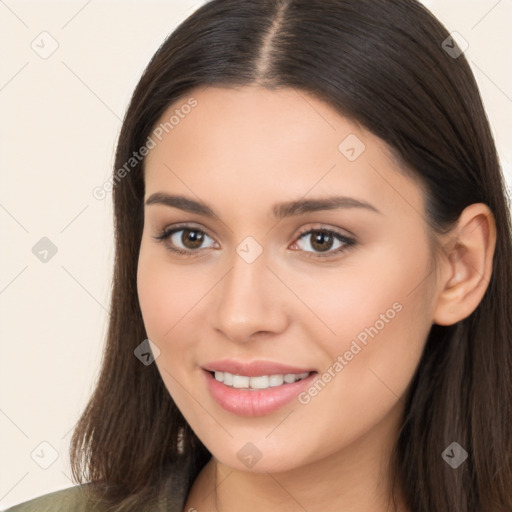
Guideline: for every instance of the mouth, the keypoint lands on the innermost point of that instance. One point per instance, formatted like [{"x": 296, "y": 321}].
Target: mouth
[
  {"x": 258, "y": 382},
  {"x": 255, "y": 395}
]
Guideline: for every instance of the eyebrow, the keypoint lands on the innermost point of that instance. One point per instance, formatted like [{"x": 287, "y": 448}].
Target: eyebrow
[{"x": 280, "y": 210}]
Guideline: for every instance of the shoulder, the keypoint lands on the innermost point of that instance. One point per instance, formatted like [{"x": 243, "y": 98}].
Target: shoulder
[
  {"x": 73, "y": 498},
  {"x": 80, "y": 498}
]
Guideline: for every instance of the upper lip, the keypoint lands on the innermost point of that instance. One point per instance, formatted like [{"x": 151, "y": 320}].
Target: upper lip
[{"x": 253, "y": 368}]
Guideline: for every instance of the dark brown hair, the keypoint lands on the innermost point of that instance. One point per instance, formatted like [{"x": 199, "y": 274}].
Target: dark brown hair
[{"x": 382, "y": 64}]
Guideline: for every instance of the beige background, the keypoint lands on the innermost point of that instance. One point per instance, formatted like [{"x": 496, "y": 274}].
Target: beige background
[{"x": 60, "y": 116}]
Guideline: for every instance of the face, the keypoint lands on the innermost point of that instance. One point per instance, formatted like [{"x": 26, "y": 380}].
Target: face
[{"x": 265, "y": 293}]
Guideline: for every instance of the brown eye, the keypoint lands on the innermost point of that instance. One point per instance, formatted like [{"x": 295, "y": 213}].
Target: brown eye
[
  {"x": 322, "y": 241},
  {"x": 191, "y": 236},
  {"x": 186, "y": 240}
]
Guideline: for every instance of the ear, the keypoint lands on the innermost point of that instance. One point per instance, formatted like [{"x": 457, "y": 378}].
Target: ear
[{"x": 466, "y": 265}]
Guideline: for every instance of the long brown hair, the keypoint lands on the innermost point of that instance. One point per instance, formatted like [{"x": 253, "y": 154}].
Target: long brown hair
[{"x": 385, "y": 65}]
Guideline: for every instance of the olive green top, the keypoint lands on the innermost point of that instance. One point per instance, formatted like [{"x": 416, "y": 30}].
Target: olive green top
[{"x": 74, "y": 499}]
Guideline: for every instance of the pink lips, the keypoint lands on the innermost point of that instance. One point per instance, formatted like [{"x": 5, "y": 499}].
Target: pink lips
[
  {"x": 254, "y": 368},
  {"x": 249, "y": 402}
]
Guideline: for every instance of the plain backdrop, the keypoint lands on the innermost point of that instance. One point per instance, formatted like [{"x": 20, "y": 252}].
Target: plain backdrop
[{"x": 68, "y": 71}]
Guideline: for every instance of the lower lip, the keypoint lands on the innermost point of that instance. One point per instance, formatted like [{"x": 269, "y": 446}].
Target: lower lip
[{"x": 247, "y": 402}]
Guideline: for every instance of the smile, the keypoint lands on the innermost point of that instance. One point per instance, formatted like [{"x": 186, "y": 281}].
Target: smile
[
  {"x": 258, "y": 382},
  {"x": 257, "y": 395}
]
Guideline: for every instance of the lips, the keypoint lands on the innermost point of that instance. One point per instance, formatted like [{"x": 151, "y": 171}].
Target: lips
[
  {"x": 251, "y": 402},
  {"x": 254, "y": 368}
]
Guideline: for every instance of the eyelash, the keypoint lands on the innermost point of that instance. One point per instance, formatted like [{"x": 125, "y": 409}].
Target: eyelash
[{"x": 168, "y": 232}]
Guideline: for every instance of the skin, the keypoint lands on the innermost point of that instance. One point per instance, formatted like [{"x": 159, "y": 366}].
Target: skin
[{"x": 241, "y": 151}]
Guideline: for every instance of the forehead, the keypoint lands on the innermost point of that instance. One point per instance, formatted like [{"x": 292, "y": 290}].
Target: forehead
[
  {"x": 253, "y": 118},
  {"x": 281, "y": 142}
]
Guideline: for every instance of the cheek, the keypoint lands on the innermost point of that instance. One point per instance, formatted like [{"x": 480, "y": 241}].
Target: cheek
[
  {"x": 166, "y": 295},
  {"x": 166, "y": 292},
  {"x": 155, "y": 303},
  {"x": 382, "y": 320},
  {"x": 381, "y": 286},
  {"x": 172, "y": 297}
]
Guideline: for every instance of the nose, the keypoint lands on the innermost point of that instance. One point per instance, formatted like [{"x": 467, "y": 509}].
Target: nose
[{"x": 250, "y": 301}]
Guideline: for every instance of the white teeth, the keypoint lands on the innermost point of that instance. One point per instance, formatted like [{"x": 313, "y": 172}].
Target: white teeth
[
  {"x": 240, "y": 381},
  {"x": 275, "y": 380},
  {"x": 259, "y": 382}
]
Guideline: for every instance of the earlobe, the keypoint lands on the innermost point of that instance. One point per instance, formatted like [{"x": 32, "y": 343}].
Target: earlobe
[{"x": 467, "y": 265}]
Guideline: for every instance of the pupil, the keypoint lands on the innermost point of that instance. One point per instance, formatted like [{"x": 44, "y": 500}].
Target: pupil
[
  {"x": 321, "y": 237},
  {"x": 190, "y": 236}
]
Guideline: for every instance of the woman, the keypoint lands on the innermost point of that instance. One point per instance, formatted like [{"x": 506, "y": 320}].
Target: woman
[{"x": 313, "y": 281}]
